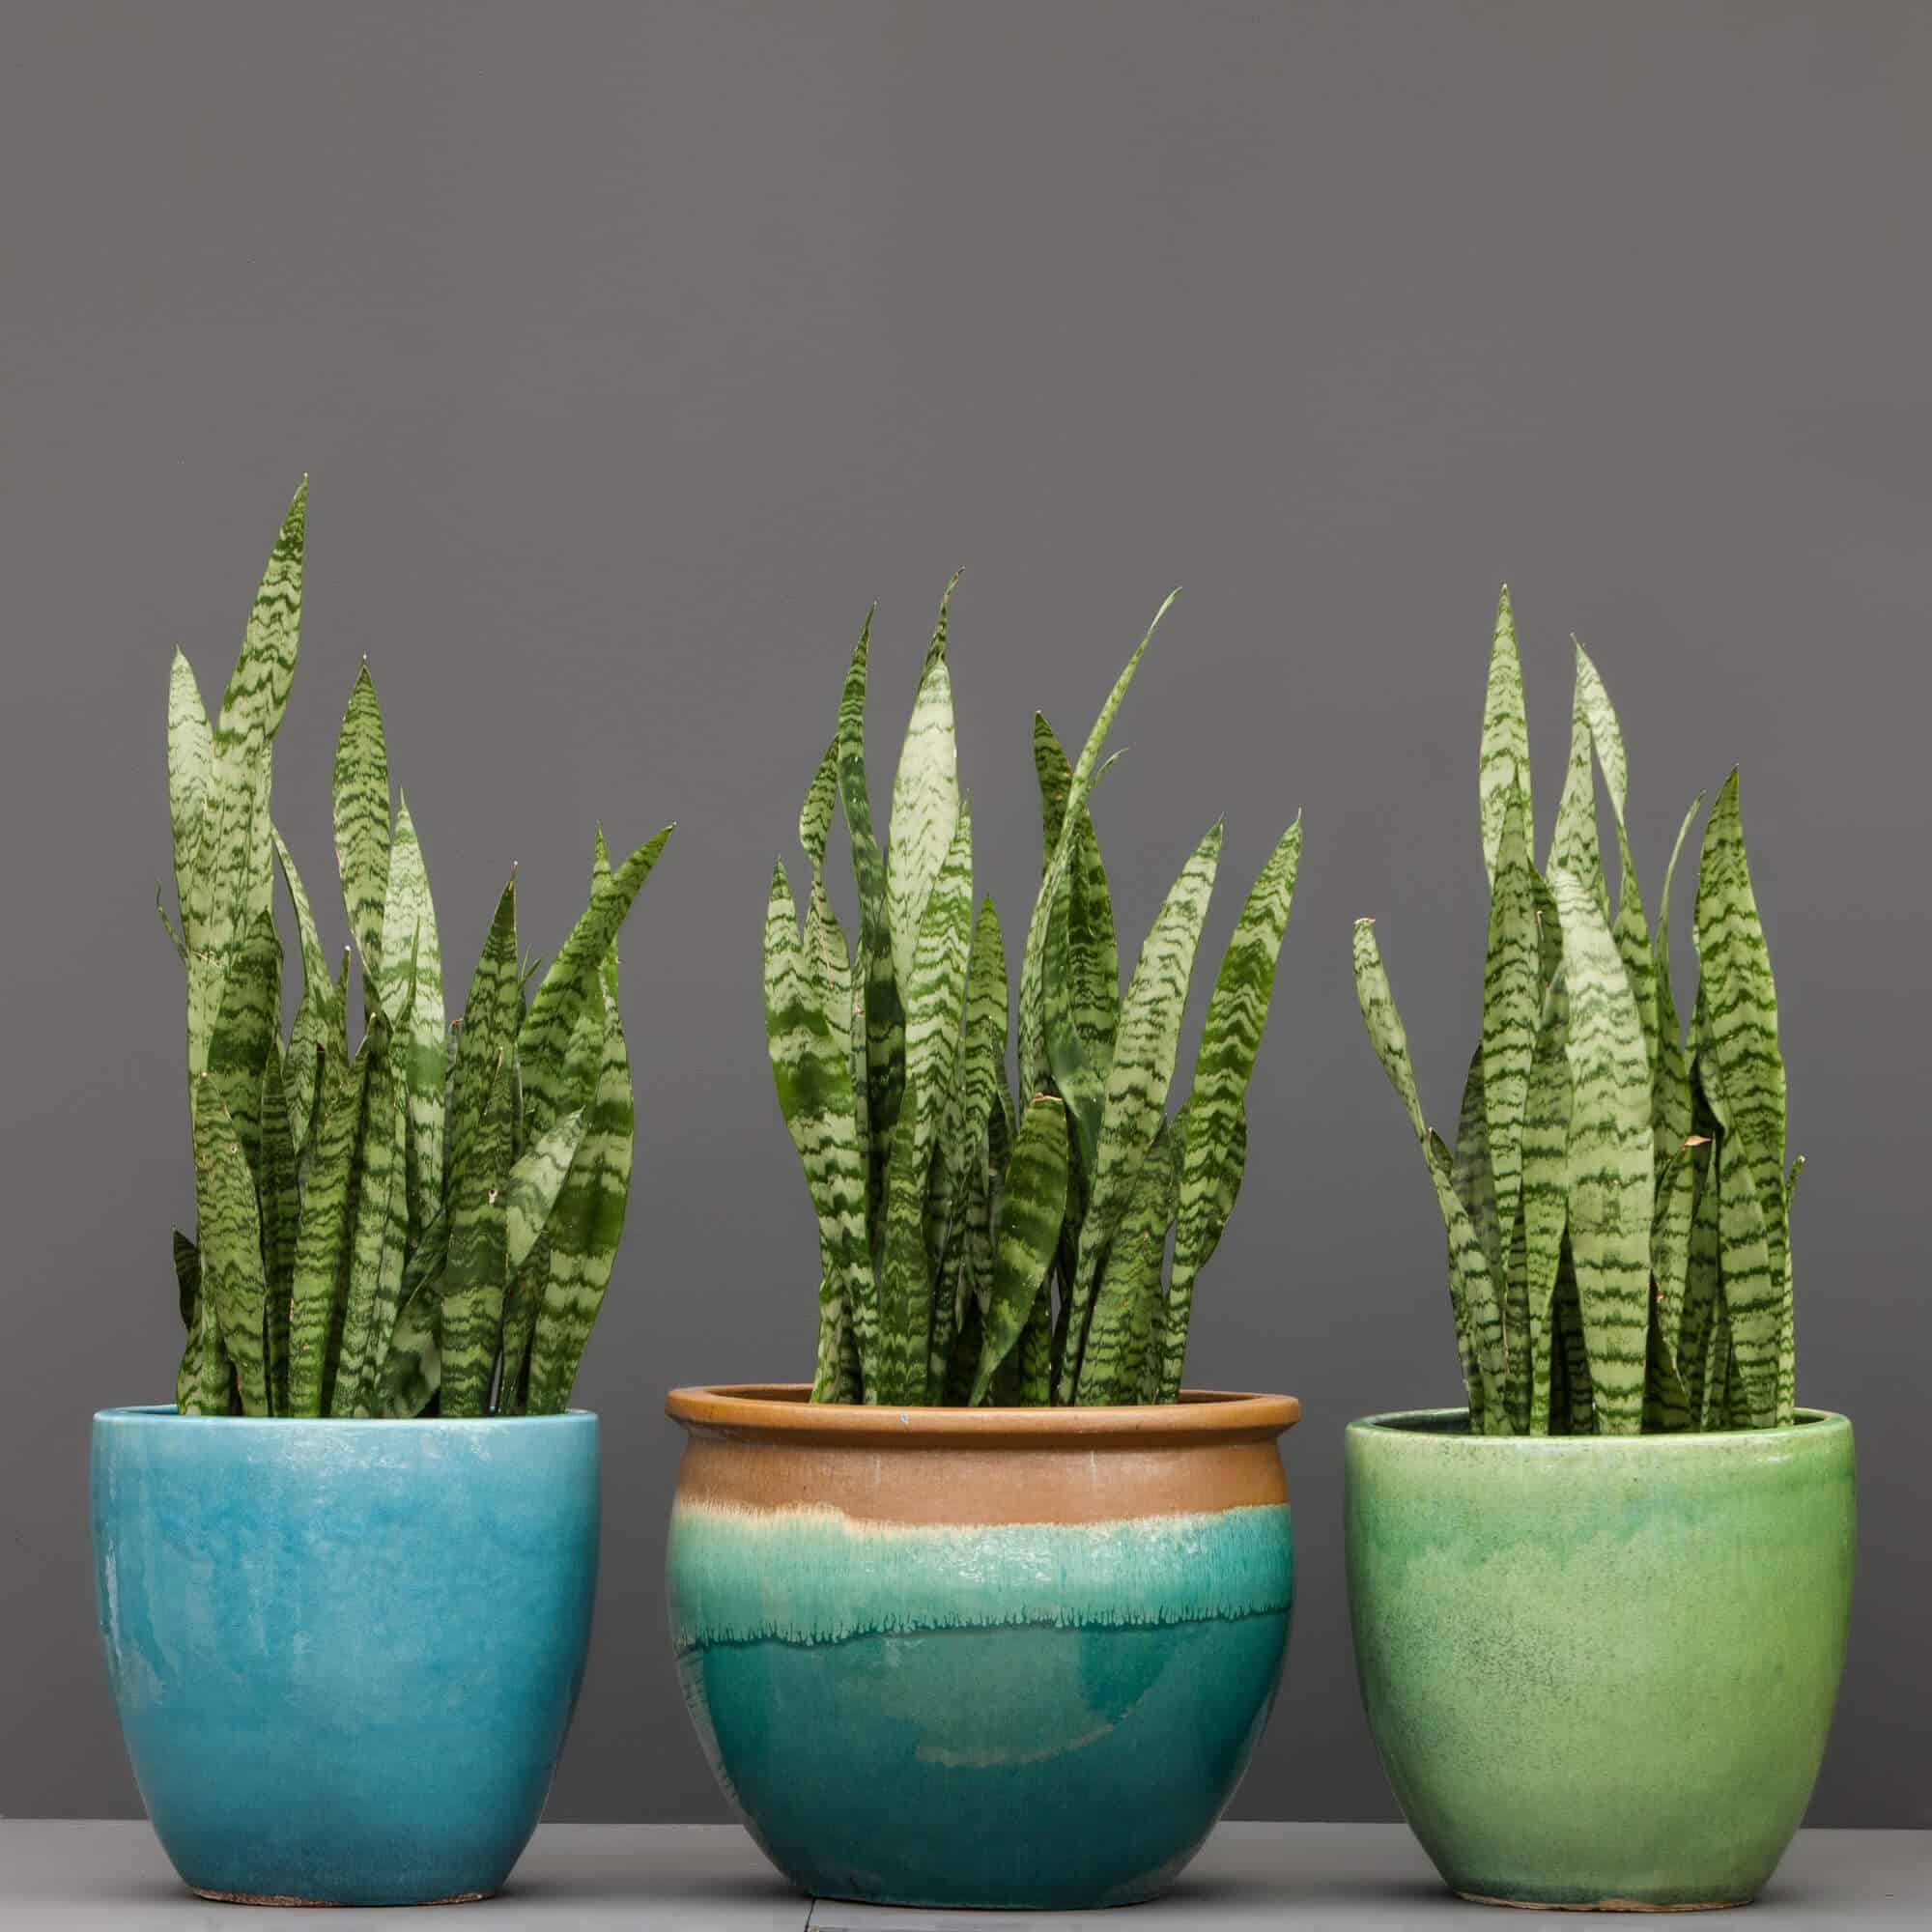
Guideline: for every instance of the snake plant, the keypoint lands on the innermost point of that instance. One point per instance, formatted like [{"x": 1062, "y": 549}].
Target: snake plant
[
  {"x": 971, "y": 1248},
  {"x": 425, "y": 1224},
  {"x": 1617, "y": 1200}
]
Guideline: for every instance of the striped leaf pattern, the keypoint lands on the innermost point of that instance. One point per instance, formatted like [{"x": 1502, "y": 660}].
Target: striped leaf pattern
[
  {"x": 475, "y": 1273},
  {"x": 1032, "y": 1207},
  {"x": 1214, "y": 1150},
  {"x": 926, "y": 803},
  {"x": 1575, "y": 848},
  {"x": 414, "y": 1003},
  {"x": 1670, "y": 1086},
  {"x": 229, "y": 1230},
  {"x": 361, "y": 808},
  {"x": 1610, "y": 1176},
  {"x": 1512, "y": 1007},
  {"x": 1137, "y": 1082},
  {"x": 190, "y": 759},
  {"x": 1503, "y": 767},
  {"x": 1113, "y": 1366},
  {"x": 1545, "y": 1189}
]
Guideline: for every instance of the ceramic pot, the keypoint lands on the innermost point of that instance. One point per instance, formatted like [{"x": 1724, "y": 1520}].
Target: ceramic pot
[
  {"x": 1005, "y": 1658},
  {"x": 345, "y": 1653},
  {"x": 1599, "y": 1671}
]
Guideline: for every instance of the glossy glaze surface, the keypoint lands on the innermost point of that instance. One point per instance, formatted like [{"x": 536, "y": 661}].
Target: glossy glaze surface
[
  {"x": 344, "y": 1654},
  {"x": 1601, "y": 1672},
  {"x": 946, "y": 1664}
]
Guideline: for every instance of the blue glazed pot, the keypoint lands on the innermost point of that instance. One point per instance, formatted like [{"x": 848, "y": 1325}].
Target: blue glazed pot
[
  {"x": 345, "y": 1653},
  {"x": 1014, "y": 1659}
]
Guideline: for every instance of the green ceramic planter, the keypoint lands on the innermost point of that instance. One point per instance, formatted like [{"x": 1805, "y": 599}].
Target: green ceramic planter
[{"x": 1599, "y": 1671}]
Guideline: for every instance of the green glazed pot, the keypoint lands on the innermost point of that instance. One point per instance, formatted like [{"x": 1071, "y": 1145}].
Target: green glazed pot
[{"x": 1599, "y": 1671}]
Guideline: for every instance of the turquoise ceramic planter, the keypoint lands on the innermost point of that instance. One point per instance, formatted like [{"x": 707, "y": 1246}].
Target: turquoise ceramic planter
[
  {"x": 1601, "y": 1671},
  {"x": 345, "y": 1653},
  {"x": 1010, "y": 1658}
]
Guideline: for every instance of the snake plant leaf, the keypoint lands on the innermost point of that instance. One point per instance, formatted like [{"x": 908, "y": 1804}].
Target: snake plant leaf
[
  {"x": 1056, "y": 783},
  {"x": 1473, "y": 1178},
  {"x": 1593, "y": 701},
  {"x": 1610, "y": 1144},
  {"x": 1032, "y": 1207},
  {"x": 190, "y": 758},
  {"x": 1667, "y": 1401},
  {"x": 536, "y": 1181},
  {"x": 229, "y": 1241},
  {"x": 568, "y": 988},
  {"x": 492, "y": 1015},
  {"x": 1548, "y": 929},
  {"x": 1033, "y": 1068},
  {"x": 1137, "y": 1082},
  {"x": 362, "y": 813},
  {"x": 319, "y": 1292},
  {"x": 474, "y": 1275},
  {"x": 258, "y": 688},
  {"x": 411, "y": 1373},
  {"x": 188, "y": 1285},
  {"x": 1574, "y": 1411},
  {"x": 1093, "y": 950},
  {"x": 905, "y": 1286},
  {"x": 175, "y": 939},
  {"x": 600, "y": 877},
  {"x": 935, "y": 986},
  {"x": 1113, "y": 1367},
  {"x": 1670, "y": 1239},
  {"x": 279, "y": 1202},
  {"x": 1739, "y": 996},
  {"x": 925, "y": 805},
  {"x": 584, "y": 1229},
  {"x": 1703, "y": 1291},
  {"x": 1754, "y": 1299},
  {"x": 409, "y": 932},
  {"x": 1213, "y": 1151},
  {"x": 1546, "y": 1188},
  {"x": 1574, "y": 848},
  {"x": 379, "y": 1247},
  {"x": 1473, "y": 1290},
  {"x": 1512, "y": 1007},
  {"x": 521, "y": 1302},
  {"x": 988, "y": 1021},
  {"x": 246, "y": 1032},
  {"x": 814, "y": 1072},
  {"x": 1503, "y": 766},
  {"x": 1670, "y": 1088}
]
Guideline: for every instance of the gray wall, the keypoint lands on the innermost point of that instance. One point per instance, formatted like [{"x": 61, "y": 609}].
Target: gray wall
[{"x": 633, "y": 349}]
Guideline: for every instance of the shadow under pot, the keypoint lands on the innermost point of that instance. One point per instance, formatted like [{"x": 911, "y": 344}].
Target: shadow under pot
[
  {"x": 345, "y": 1653},
  {"x": 998, "y": 1658},
  {"x": 1599, "y": 1671}
]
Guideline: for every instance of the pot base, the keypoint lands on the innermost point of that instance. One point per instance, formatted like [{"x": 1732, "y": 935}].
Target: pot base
[
  {"x": 1603, "y": 1904},
  {"x": 324, "y": 1904}
]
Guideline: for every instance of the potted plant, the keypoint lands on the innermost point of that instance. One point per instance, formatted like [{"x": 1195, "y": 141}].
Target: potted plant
[
  {"x": 992, "y": 1613},
  {"x": 344, "y": 1580},
  {"x": 1599, "y": 1611}
]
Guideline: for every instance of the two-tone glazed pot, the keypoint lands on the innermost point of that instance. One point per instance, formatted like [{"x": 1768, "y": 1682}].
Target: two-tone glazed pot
[
  {"x": 345, "y": 1653},
  {"x": 1601, "y": 1670},
  {"x": 1003, "y": 1658}
]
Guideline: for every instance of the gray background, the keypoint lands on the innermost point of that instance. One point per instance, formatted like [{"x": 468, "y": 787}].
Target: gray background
[{"x": 633, "y": 349}]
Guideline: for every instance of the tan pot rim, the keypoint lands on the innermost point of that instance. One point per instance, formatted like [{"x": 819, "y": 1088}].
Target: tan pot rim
[{"x": 781, "y": 1411}]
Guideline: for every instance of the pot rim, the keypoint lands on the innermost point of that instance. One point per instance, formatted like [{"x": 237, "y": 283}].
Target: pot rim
[
  {"x": 163, "y": 1412},
  {"x": 1422, "y": 1425},
  {"x": 781, "y": 1411}
]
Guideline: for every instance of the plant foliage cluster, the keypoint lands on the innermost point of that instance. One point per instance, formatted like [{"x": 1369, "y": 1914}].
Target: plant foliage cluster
[
  {"x": 1617, "y": 1201},
  {"x": 426, "y": 1225},
  {"x": 974, "y": 1248}
]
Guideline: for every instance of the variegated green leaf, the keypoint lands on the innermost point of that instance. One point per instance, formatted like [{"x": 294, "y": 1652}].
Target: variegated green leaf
[
  {"x": 280, "y": 1207},
  {"x": 409, "y": 932},
  {"x": 535, "y": 1182},
  {"x": 1703, "y": 1284},
  {"x": 934, "y": 988},
  {"x": 925, "y": 805},
  {"x": 474, "y": 1275},
  {"x": 190, "y": 758},
  {"x": 1670, "y": 1239},
  {"x": 1033, "y": 1068},
  {"x": 1113, "y": 1367},
  {"x": 568, "y": 987},
  {"x": 246, "y": 1032},
  {"x": 228, "y": 1236},
  {"x": 1473, "y": 1178},
  {"x": 1574, "y": 1407},
  {"x": 258, "y": 687},
  {"x": 1137, "y": 1082},
  {"x": 1753, "y": 1297},
  {"x": 1056, "y": 782},
  {"x": 1611, "y": 1182},
  {"x": 1545, "y": 1189},
  {"x": 600, "y": 875},
  {"x": 379, "y": 1243},
  {"x": 1473, "y": 1291},
  {"x": 585, "y": 1228},
  {"x": 1593, "y": 701},
  {"x": 1574, "y": 848},
  {"x": 1512, "y": 1005},
  {"x": 1032, "y": 1207},
  {"x": 362, "y": 812},
  {"x": 322, "y": 1241},
  {"x": 905, "y": 1284},
  {"x": 1503, "y": 766},
  {"x": 814, "y": 1074},
  {"x": 1214, "y": 1150},
  {"x": 988, "y": 1019},
  {"x": 492, "y": 1014},
  {"x": 1670, "y": 1086},
  {"x": 413, "y": 1372}
]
